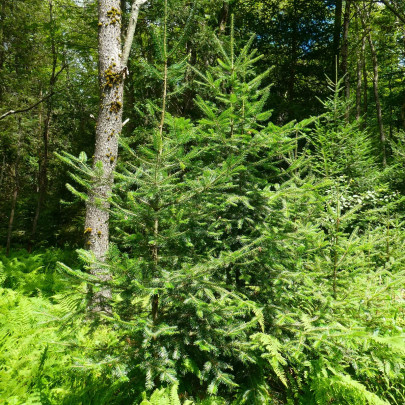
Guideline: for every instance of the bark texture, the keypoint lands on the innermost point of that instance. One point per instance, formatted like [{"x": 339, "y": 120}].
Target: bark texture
[
  {"x": 108, "y": 128},
  {"x": 112, "y": 71},
  {"x": 345, "y": 55}
]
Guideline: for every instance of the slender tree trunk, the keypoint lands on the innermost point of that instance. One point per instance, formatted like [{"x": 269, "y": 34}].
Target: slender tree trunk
[
  {"x": 155, "y": 255},
  {"x": 43, "y": 170},
  {"x": 365, "y": 76},
  {"x": 377, "y": 98},
  {"x": 3, "y": 169},
  {"x": 402, "y": 125},
  {"x": 12, "y": 212},
  {"x": 40, "y": 112},
  {"x": 43, "y": 164},
  {"x": 336, "y": 35},
  {"x": 189, "y": 94},
  {"x": 374, "y": 59},
  {"x": 14, "y": 174},
  {"x": 130, "y": 101},
  {"x": 345, "y": 55},
  {"x": 2, "y": 53},
  {"x": 391, "y": 106},
  {"x": 335, "y": 250},
  {"x": 2, "y": 17},
  {"x": 293, "y": 61},
  {"x": 223, "y": 17},
  {"x": 360, "y": 14},
  {"x": 358, "y": 90},
  {"x": 155, "y": 248},
  {"x": 359, "y": 79},
  {"x": 112, "y": 63}
]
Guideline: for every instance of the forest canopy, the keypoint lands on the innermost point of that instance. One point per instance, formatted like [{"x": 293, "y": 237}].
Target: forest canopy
[{"x": 202, "y": 202}]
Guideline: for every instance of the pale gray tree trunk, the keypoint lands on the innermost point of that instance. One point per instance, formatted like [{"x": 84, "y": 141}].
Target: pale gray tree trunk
[
  {"x": 336, "y": 35},
  {"x": 112, "y": 60},
  {"x": 345, "y": 55}
]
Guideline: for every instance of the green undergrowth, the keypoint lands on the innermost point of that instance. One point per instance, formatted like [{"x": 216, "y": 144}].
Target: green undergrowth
[
  {"x": 35, "y": 274},
  {"x": 47, "y": 356}
]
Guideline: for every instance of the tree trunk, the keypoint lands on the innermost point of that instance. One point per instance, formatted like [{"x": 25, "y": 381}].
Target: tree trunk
[
  {"x": 223, "y": 17},
  {"x": 43, "y": 163},
  {"x": 365, "y": 77},
  {"x": 345, "y": 55},
  {"x": 43, "y": 170},
  {"x": 336, "y": 36},
  {"x": 377, "y": 98},
  {"x": 2, "y": 53},
  {"x": 189, "y": 93},
  {"x": 12, "y": 212},
  {"x": 359, "y": 77},
  {"x": 293, "y": 62},
  {"x": 360, "y": 14},
  {"x": 402, "y": 117},
  {"x": 108, "y": 129},
  {"x": 155, "y": 248},
  {"x": 14, "y": 173},
  {"x": 391, "y": 106},
  {"x": 367, "y": 32},
  {"x": 3, "y": 169},
  {"x": 112, "y": 64}
]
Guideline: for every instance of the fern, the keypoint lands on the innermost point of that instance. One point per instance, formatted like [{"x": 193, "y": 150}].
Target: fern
[
  {"x": 272, "y": 353},
  {"x": 166, "y": 396}
]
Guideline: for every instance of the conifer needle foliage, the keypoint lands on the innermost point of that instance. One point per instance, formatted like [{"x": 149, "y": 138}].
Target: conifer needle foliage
[{"x": 251, "y": 263}]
